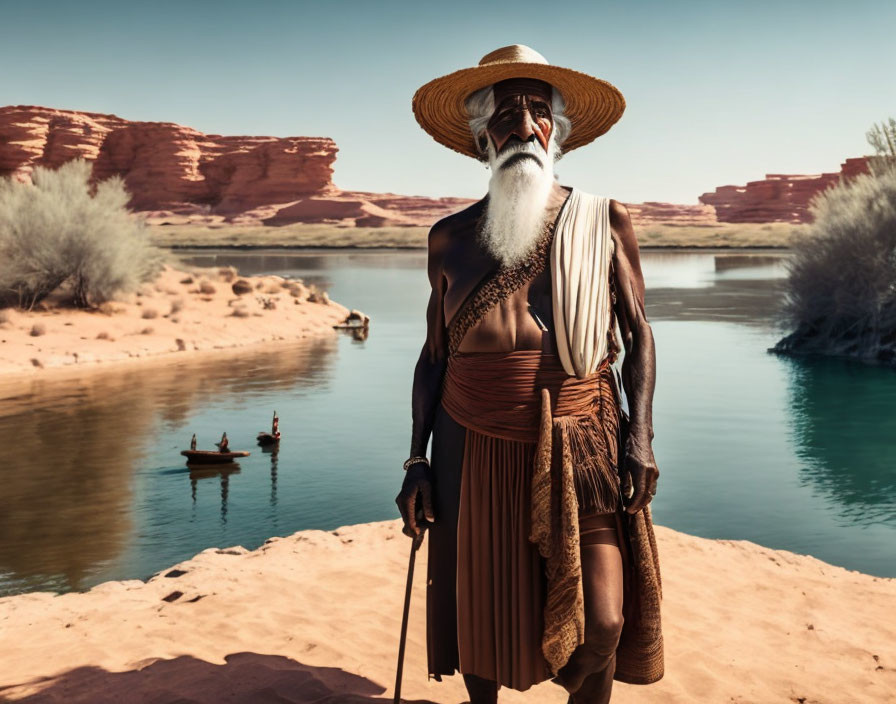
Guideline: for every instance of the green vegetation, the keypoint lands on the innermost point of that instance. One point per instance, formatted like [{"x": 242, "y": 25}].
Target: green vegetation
[
  {"x": 842, "y": 276},
  {"x": 62, "y": 234}
]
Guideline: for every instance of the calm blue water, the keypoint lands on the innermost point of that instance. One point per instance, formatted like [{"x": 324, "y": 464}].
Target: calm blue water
[{"x": 793, "y": 454}]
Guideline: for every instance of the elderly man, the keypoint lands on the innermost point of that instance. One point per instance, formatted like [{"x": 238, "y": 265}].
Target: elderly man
[{"x": 542, "y": 559}]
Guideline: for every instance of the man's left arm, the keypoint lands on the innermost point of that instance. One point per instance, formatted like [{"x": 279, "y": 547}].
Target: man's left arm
[{"x": 639, "y": 364}]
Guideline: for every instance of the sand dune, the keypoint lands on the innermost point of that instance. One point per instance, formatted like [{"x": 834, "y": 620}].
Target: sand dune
[{"x": 315, "y": 618}]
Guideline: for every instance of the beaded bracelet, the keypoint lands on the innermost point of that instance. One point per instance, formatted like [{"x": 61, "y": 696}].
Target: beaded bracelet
[{"x": 414, "y": 460}]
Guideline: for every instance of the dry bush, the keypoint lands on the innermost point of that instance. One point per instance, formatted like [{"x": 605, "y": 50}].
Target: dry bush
[
  {"x": 181, "y": 345},
  {"x": 228, "y": 273},
  {"x": 206, "y": 287},
  {"x": 177, "y": 306},
  {"x": 102, "y": 335},
  {"x": 146, "y": 331},
  {"x": 149, "y": 314},
  {"x": 62, "y": 230},
  {"x": 187, "y": 281},
  {"x": 38, "y": 329},
  {"x": 240, "y": 312},
  {"x": 842, "y": 275}
]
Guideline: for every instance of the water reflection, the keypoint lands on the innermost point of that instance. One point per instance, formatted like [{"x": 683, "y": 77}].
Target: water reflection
[
  {"x": 221, "y": 471},
  {"x": 73, "y": 449},
  {"x": 843, "y": 419},
  {"x": 725, "y": 286}
]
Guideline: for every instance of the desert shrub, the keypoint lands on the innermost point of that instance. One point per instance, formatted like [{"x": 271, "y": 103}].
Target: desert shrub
[
  {"x": 883, "y": 138},
  {"x": 149, "y": 314},
  {"x": 240, "y": 312},
  {"x": 38, "y": 329},
  {"x": 61, "y": 230},
  {"x": 207, "y": 288},
  {"x": 177, "y": 305},
  {"x": 842, "y": 274}
]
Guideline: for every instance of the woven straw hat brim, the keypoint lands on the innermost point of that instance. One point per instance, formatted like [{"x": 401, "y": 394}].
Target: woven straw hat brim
[{"x": 592, "y": 105}]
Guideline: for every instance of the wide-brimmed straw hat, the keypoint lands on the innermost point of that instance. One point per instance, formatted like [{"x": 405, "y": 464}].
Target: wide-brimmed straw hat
[{"x": 592, "y": 105}]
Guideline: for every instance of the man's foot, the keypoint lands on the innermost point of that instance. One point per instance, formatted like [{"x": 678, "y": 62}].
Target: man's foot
[{"x": 572, "y": 675}]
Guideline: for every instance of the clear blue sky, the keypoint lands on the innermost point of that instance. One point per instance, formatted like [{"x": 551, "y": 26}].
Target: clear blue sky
[{"x": 717, "y": 92}]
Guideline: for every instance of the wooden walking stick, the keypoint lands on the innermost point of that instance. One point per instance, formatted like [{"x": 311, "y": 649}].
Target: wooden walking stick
[{"x": 418, "y": 540}]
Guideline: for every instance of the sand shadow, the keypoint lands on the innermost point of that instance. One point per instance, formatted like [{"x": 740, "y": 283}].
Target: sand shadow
[{"x": 246, "y": 678}]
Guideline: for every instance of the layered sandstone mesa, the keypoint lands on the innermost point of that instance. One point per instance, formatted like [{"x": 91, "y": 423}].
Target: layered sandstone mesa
[
  {"x": 31, "y": 136},
  {"x": 167, "y": 166},
  {"x": 778, "y": 197},
  {"x": 652, "y": 212}
]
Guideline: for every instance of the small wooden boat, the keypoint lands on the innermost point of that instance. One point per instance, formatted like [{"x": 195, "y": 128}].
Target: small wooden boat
[
  {"x": 273, "y": 437},
  {"x": 211, "y": 456},
  {"x": 266, "y": 439}
]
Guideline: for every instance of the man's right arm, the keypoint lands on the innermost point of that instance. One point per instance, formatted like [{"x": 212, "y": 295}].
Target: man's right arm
[{"x": 427, "y": 386}]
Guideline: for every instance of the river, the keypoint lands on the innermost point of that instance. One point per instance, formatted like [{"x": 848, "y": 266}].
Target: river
[{"x": 796, "y": 454}]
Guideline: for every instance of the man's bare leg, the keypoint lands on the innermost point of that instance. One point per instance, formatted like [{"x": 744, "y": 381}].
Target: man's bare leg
[
  {"x": 589, "y": 672},
  {"x": 481, "y": 690}
]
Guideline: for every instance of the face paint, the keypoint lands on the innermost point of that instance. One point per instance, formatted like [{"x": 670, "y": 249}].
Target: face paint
[{"x": 523, "y": 111}]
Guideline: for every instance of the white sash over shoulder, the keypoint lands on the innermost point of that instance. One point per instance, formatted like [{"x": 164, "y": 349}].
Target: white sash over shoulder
[{"x": 580, "y": 273}]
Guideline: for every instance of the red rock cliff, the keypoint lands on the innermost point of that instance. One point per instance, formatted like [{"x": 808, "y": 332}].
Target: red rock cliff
[
  {"x": 778, "y": 197},
  {"x": 166, "y": 166}
]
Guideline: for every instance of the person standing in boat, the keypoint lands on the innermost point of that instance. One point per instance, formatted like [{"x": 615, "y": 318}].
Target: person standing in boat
[
  {"x": 224, "y": 445},
  {"x": 193, "y": 442}
]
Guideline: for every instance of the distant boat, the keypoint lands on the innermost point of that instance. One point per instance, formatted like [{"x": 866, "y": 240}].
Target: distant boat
[
  {"x": 272, "y": 438},
  {"x": 268, "y": 439},
  {"x": 212, "y": 456}
]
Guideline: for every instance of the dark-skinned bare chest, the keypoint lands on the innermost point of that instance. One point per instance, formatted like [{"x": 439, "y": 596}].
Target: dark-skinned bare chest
[{"x": 512, "y": 323}]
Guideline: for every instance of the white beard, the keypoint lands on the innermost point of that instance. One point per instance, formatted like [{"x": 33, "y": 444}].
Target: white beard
[{"x": 517, "y": 198}]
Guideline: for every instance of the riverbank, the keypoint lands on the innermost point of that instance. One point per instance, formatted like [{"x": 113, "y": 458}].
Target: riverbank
[
  {"x": 192, "y": 311},
  {"x": 315, "y": 617},
  {"x": 655, "y": 236}
]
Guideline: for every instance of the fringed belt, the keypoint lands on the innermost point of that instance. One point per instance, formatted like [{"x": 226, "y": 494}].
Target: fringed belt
[{"x": 527, "y": 396}]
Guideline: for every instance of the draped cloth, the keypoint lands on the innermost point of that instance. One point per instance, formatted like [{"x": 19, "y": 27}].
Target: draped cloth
[
  {"x": 541, "y": 451},
  {"x": 580, "y": 269},
  {"x": 522, "y": 450}
]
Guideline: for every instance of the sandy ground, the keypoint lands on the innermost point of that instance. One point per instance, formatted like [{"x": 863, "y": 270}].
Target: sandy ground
[
  {"x": 181, "y": 312},
  {"x": 315, "y": 617}
]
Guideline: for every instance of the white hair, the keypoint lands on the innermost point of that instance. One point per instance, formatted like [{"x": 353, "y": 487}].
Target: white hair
[
  {"x": 518, "y": 192},
  {"x": 481, "y": 105}
]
